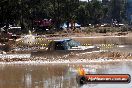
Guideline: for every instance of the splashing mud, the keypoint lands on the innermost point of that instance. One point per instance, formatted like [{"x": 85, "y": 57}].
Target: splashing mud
[{"x": 108, "y": 51}]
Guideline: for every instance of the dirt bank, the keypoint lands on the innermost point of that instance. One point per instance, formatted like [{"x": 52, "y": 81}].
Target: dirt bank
[{"x": 75, "y": 57}]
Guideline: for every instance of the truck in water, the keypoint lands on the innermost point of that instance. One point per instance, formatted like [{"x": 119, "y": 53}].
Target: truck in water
[{"x": 63, "y": 47}]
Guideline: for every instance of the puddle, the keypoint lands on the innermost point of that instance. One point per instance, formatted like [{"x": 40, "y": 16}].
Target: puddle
[{"x": 58, "y": 75}]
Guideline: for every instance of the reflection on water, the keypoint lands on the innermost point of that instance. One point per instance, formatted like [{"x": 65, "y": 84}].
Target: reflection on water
[
  {"x": 28, "y": 80},
  {"x": 58, "y": 76}
]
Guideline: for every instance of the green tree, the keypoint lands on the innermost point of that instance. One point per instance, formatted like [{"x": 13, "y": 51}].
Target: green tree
[{"x": 116, "y": 9}]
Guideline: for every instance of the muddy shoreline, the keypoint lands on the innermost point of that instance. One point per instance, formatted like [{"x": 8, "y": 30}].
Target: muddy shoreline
[{"x": 81, "y": 57}]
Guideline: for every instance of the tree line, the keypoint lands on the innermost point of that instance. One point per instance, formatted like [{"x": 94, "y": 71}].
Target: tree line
[{"x": 23, "y": 12}]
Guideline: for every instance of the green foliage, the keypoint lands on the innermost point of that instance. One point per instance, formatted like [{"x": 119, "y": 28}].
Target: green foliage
[{"x": 23, "y": 12}]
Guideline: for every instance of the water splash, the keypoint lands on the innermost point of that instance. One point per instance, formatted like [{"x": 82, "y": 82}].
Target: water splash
[{"x": 29, "y": 39}]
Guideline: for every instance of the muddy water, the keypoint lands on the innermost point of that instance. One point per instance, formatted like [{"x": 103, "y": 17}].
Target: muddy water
[
  {"x": 58, "y": 76},
  {"x": 41, "y": 75},
  {"x": 106, "y": 40}
]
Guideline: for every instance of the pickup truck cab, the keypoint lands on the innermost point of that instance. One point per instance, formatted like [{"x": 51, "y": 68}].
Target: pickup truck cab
[{"x": 65, "y": 46}]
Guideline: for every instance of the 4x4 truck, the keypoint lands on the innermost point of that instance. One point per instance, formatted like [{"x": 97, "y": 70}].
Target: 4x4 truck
[{"x": 63, "y": 47}]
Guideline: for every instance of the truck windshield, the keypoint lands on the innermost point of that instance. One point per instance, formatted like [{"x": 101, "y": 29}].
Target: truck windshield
[{"x": 73, "y": 43}]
